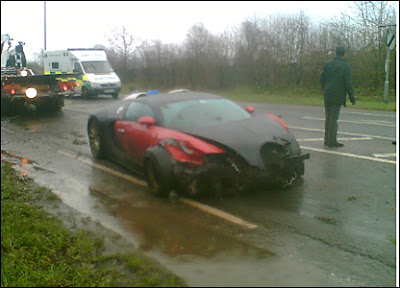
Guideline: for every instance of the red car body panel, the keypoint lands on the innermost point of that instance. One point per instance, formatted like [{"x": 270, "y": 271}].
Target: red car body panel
[
  {"x": 135, "y": 138},
  {"x": 280, "y": 121}
]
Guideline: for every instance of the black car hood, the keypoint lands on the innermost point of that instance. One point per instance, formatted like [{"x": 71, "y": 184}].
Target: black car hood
[{"x": 246, "y": 137}]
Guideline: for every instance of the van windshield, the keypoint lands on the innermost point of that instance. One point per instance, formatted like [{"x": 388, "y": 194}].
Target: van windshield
[{"x": 97, "y": 67}]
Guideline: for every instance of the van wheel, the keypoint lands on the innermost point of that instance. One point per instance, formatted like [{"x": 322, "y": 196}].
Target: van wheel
[{"x": 85, "y": 92}]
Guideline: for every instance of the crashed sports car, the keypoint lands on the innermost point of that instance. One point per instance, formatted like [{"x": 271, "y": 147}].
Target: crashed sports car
[{"x": 196, "y": 143}]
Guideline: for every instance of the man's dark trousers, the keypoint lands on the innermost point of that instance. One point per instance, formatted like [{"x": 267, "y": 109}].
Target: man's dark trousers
[{"x": 331, "y": 126}]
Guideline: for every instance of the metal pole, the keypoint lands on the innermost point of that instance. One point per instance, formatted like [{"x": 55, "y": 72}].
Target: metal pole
[
  {"x": 386, "y": 85},
  {"x": 44, "y": 25},
  {"x": 387, "y": 64}
]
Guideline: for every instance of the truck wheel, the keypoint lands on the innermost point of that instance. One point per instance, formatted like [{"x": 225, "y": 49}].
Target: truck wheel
[
  {"x": 6, "y": 108},
  {"x": 95, "y": 139},
  {"x": 158, "y": 168},
  {"x": 57, "y": 105}
]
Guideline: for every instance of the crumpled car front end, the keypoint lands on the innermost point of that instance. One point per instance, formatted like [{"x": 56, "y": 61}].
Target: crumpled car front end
[
  {"x": 230, "y": 172},
  {"x": 237, "y": 155}
]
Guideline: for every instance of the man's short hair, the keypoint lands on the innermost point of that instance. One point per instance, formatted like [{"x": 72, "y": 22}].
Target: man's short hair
[{"x": 340, "y": 51}]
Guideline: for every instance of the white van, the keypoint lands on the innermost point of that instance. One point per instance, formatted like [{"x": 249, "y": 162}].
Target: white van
[{"x": 96, "y": 75}]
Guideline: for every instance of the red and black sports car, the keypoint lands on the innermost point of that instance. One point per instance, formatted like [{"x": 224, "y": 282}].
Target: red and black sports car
[{"x": 194, "y": 142}]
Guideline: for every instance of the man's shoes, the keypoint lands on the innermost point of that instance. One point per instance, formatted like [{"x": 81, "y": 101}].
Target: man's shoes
[{"x": 334, "y": 145}]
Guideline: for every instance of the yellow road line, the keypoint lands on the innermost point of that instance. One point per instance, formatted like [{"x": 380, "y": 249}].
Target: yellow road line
[
  {"x": 104, "y": 168},
  {"x": 218, "y": 213},
  {"x": 203, "y": 207}
]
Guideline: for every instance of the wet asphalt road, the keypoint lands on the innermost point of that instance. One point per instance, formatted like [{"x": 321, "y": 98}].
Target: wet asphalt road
[{"x": 336, "y": 229}]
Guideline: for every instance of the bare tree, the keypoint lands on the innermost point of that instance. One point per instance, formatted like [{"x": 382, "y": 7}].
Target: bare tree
[
  {"x": 123, "y": 43},
  {"x": 276, "y": 51}
]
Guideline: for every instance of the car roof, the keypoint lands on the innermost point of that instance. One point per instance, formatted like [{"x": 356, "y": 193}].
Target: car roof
[
  {"x": 178, "y": 91},
  {"x": 161, "y": 99},
  {"x": 134, "y": 96}
]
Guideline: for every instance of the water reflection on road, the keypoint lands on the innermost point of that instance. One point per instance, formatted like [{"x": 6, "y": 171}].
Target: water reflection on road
[{"x": 172, "y": 227}]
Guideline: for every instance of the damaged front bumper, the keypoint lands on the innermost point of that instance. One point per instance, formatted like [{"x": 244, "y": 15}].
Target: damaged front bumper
[{"x": 219, "y": 174}]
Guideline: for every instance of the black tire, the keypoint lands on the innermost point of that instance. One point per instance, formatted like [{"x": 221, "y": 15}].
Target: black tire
[
  {"x": 57, "y": 105},
  {"x": 85, "y": 93},
  {"x": 294, "y": 176},
  {"x": 7, "y": 108},
  {"x": 158, "y": 168},
  {"x": 88, "y": 94},
  {"x": 115, "y": 95},
  {"x": 95, "y": 139},
  {"x": 299, "y": 169}
]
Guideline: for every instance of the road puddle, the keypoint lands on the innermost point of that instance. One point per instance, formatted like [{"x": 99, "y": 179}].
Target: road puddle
[
  {"x": 21, "y": 164},
  {"x": 174, "y": 229},
  {"x": 163, "y": 226}
]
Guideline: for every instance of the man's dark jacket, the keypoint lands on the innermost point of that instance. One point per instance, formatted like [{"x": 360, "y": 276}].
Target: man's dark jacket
[{"x": 336, "y": 82}]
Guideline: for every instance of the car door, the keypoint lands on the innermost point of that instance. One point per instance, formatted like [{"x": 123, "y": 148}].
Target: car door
[{"x": 133, "y": 137}]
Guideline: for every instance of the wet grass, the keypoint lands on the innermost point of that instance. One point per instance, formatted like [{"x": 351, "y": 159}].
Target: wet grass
[
  {"x": 38, "y": 250},
  {"x": 297, "y": 96},
  {"x": 301, "y": 96}
]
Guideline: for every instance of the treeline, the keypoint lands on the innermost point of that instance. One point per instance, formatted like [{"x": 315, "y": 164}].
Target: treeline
[{"x": 271, "y": 52}]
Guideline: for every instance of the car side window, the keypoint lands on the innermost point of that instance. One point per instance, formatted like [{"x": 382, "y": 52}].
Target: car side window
[{"x": 136, "y": 110}]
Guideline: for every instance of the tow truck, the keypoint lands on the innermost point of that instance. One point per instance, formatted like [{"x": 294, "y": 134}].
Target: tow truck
[{"x": 24, "y": 92}]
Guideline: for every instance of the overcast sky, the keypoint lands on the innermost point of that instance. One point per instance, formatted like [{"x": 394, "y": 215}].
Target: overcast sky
[{"x": 81, "y": 24}]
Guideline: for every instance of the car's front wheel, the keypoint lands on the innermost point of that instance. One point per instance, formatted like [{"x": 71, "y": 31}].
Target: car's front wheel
[
  {"x": 158, "y": 168},
  {"x": 95, "y": 139},
  {"x": 294, "y": 175}
]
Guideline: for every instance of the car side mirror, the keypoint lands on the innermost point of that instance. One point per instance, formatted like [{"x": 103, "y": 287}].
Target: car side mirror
[
  {"x": 147, "y": 121},
  {"x": 250, "y": 109}
]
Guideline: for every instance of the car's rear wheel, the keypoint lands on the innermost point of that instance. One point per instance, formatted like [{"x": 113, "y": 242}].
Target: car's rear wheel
[
  {"x": 158, "y": 169},
  {"x": 95, "y": 139}
]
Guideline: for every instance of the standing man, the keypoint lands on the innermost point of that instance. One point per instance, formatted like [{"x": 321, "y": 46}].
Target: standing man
[{"x": 336, "y": 84}]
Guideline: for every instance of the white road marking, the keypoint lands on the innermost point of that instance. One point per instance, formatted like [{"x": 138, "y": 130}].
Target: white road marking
[
  {"x": 348, "y": 155},
  {"x": 343, "y": 133},
  {"x": 7, "y": 130},
  {"x": 341, "y": 139},
  {"x": 78, "y": 110},
  {"x": 198, "y": 205},
  {"x": 367, "y": 122},
  {"x": 370, "y": 114},
  {"x": 385, "y": 155}
]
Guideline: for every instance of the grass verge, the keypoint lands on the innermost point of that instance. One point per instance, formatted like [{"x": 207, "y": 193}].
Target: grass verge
[
  {"x": 294, "y": 95},
  {"x": 37, "y": 249},
  {"x": 299, "y": 96}
]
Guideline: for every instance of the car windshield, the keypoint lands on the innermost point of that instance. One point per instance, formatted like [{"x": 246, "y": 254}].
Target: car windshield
[
  {"x": 201, "y": 113},
  {"x": 97, "y": 67}
]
